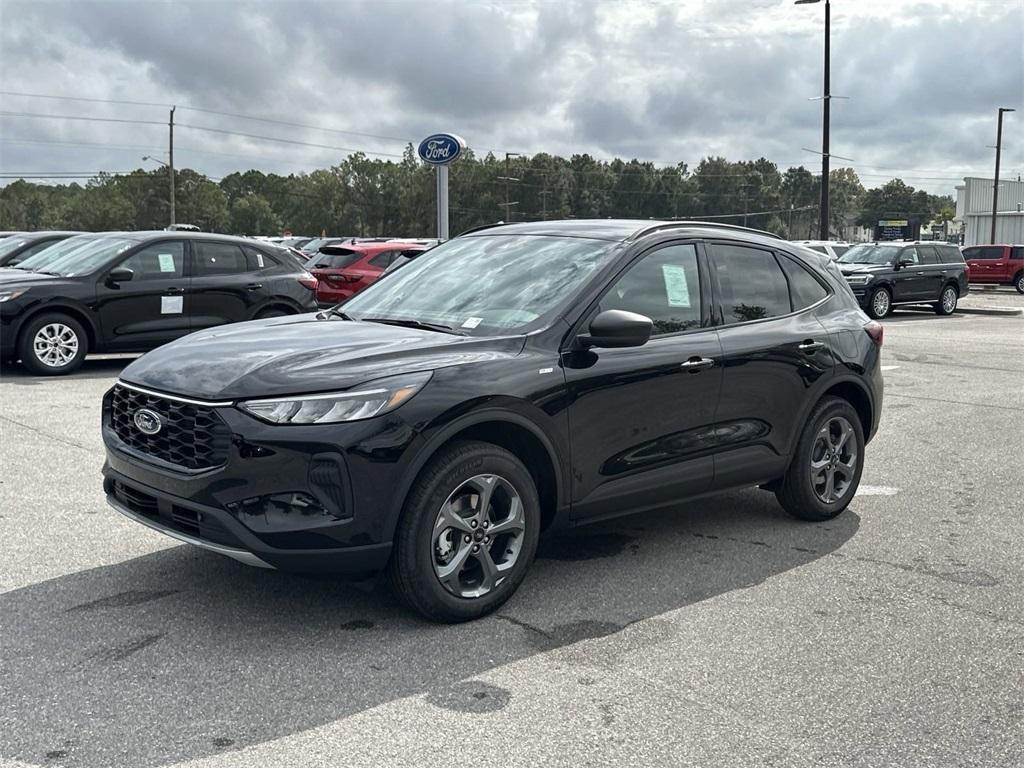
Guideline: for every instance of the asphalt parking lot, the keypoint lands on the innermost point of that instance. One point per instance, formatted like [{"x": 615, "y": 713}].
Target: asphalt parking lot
[{"x": 720, "y": 633}]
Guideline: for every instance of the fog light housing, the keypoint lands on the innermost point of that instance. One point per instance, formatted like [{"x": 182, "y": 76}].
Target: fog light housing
[{"x": 290, "y": 511}]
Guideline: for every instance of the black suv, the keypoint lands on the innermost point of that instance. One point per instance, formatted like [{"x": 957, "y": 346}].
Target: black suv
[
  {"x": 133, "y": 291},
  {"x": 515, "y": 379},
  {"x": 884, "y": 274}
]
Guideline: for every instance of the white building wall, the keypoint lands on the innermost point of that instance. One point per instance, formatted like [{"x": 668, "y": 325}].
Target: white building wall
[{"x": 1009, "y": 228}]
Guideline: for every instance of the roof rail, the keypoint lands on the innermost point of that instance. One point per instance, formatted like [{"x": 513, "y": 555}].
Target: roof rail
[{"x": 706, "y": 225}]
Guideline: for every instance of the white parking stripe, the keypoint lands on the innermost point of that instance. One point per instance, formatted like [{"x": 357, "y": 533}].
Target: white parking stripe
[
  {"x": 877, "y": 490},
  {"x": 889, "y": 368}
]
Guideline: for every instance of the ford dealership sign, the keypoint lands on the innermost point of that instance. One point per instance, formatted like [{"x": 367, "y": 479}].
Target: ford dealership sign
[{"x": 441, "y": 149}]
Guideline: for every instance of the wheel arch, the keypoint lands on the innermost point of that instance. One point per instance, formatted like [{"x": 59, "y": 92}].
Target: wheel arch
[
  {"x": 510, "y": 430},
  {"x": 855, "y": 393},
  {"x": 79, "y": 314}
]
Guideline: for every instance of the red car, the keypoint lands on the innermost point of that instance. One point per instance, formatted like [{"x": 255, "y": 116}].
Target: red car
[
  {"x": 344, "y": 270},
  {"x": 1002, "y": 264}
]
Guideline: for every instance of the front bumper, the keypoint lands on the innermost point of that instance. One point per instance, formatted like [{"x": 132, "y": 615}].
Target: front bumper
[{"x": 299, "y": 498}]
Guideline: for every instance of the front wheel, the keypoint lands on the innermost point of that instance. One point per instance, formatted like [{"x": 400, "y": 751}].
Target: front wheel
[
  {"x": 825, "y": 470},
  {"x": 947, "y": 301},
  {"x": 53, "y": 345},
  {"x": 468, "y": 533},
  {"x": 880, "y": 303}
]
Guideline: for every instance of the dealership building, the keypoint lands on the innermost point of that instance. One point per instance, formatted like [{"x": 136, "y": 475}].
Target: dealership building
[{"x": 974, "y": 211}]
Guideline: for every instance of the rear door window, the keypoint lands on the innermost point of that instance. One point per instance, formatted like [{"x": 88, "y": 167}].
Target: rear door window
[
  {"x": 804, "y": 288},
  {"x": 157, "y": 262},
  {"x": 950, "y": 254},
  {"x": 664, "y": 285},
  {"x": 219, "y": 259},
  {"x": 1018, "y": 253},
  {"x": 928, "y": 254},
  {"x": 910, "y": 253},
  {"x": 987, "y": 252},
  {"x": 751, "y": 282}
]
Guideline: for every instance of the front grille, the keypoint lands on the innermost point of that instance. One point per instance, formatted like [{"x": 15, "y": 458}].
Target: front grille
[{"x": 191, "y": 436}]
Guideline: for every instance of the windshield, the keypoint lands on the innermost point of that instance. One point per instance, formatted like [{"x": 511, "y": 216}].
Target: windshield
[
  {"x": 870, "y": 253},
  {"x": 484, "y": 285},
  {"x": 76, "y": 255},
  {"x": 9, "y": 244}
]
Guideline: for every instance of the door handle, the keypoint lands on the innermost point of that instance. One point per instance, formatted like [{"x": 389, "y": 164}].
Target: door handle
[
  {"x": 697, "y": 364},
  {"x": 175, "y": 290},
  {"x": 254, "y": 286},
  {"x": 811, "y": 346}
]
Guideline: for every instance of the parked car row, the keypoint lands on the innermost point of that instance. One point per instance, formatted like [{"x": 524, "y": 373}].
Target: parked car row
[
  {"x": 996, "y": 264},
  {"x": 133, "y": 291}
]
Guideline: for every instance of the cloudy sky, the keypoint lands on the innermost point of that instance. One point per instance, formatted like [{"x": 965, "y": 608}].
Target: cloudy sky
[{"x": 660, "y": 81}]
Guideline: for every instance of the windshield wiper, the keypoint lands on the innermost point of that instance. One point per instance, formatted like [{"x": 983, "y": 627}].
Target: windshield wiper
[
  {"x": 335, "y": 311},
  {"x": 415, "y": 324}
]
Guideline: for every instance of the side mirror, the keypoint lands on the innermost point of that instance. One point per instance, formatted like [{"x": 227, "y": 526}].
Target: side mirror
[
  {"x": 618, "y": 328},
  {"x": 904, "y": 263},
  {"x": 120, "y": 275}
]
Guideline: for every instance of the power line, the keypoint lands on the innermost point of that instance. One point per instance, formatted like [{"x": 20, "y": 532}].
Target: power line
[
  {"x": 82, "y": 117},
  {"x": 282, "y": 141}
]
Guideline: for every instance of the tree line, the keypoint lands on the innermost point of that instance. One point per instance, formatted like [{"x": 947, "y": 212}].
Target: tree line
[{"x": 365, "y": 197}]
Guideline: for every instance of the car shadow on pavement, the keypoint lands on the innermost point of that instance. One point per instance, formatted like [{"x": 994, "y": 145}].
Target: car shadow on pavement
[
  {"x": 15, "y": 373},
  {"x": 182, "y": 654}
]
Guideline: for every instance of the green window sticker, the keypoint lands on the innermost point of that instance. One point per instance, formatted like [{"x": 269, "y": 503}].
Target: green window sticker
[
  {"x": 166, "y": 262},
  {"x": 675, "y": 285}
]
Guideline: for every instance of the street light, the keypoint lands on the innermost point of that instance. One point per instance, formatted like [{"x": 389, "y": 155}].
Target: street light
[
  {"x": 823, "y": 226},
  {"x": 995, "y": 182},
  {"x": 170, "y": 173}
]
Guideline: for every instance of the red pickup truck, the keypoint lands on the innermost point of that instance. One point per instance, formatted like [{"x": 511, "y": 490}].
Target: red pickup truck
[{"x": 1002, "y": 264}]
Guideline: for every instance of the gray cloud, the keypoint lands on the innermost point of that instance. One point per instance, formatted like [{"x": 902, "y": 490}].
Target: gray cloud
[{"x": 666, "y": 82}]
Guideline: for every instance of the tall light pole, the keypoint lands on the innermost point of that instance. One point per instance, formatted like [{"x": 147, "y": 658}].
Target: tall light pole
[
  {"x": 170, "y": 156},
  {"x": 823, "y": 228},
  {"x": 995, "y": 183},
  {"x": 170, "y": 170},
  {"x": 508, "y": 178}
]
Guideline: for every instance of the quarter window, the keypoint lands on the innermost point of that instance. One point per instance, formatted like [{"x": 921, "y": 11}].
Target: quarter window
[
  {"x": 752, "y": 284},
  {"x": 157, "y": 262},
  {"x": 384, "y": 259},
  {"x": 1018, "y": 253},
  {"x": 219, "y": 259},
  {"x": 804, "y": 289},
  {"x": 256, "y": 260},
  {"x": 664, "y": 286}
]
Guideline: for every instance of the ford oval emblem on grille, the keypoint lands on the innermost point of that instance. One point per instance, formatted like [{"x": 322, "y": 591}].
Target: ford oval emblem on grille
[{"x": 148, "y": 422}]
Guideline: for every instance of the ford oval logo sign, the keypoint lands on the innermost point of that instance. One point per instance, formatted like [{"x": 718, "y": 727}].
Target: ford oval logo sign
[
  {"x": 148, "y": 422},
  {"x": 441, "y": 149}
]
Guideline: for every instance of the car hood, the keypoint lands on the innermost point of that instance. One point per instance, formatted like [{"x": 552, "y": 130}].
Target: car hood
[
  {"x": 21, "y": 277},
  {"x": 301, "y": 354},
  {"x": 860, "y": 269}
]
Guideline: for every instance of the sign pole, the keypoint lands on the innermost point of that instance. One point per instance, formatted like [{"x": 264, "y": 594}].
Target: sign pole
[
  {"x": 441, "y": 172},
  {"x": 440, "y": 151}
]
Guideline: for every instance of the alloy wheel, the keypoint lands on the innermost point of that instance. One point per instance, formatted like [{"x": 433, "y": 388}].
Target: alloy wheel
[
  {"x": 477, "y": 536},
  {"x": 948, "y": 300},
  {"x": 55, "y": 345},
  {"x": 881, "y": 303},
  {"x": 833, "y": 460},
  {"x": 1020, "y": 284}
]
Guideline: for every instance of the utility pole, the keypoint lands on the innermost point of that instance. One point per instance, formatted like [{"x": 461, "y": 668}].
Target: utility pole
[
  {"x": 823, "y": 226},
  {"x": 170, "y": 165},
  {"x": 995, "y": 182},
  {"x": 544, "y": 201},
  {"x": 508, "y": 178}
]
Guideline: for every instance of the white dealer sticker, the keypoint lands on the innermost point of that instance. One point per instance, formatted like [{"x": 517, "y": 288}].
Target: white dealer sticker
[
  {"x": 172, "y": 305},
  {"x": 675, "y": 285}
]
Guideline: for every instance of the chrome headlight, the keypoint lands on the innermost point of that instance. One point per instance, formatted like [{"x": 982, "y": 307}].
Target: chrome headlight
[
  {"x": 366, "y": 401},
  {"x": 859, "y": 279},
  {"x": 12, "y": 294}
]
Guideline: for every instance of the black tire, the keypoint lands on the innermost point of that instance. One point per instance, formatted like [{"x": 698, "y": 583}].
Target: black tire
[
  {"x": 946, "y": 305},
  {"x": 412, "y": 565},
  {"x": 67, "y": 330},
  {"x": 1018, "y": 282},
  {"x": 876, "y": 301},
  {"x": 263, "y": 314},
  {"x": 797, "y": 493}
]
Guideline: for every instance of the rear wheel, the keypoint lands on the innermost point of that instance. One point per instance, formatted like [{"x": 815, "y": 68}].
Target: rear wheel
[
  {"x": 1018, "y": 282},
  {"x": 880, "y": 303},
  {"x": 468, "y": 533},
  {"x": 946, "y": 304},
  {"x": 825, "y": 470},
  {"x": 272, "y": 312},
  {"x": 53, "y": 345}
]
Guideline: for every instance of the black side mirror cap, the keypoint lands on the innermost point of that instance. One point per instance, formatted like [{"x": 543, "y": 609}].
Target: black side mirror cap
[
  {"x": 617, "y": 328},
  {"x": 120, "y": 275}
]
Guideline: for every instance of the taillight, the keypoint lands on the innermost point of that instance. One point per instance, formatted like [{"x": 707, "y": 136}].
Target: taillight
[
  {"x": 876, "y": 331},
  {"x": 308, "y": 282}
]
